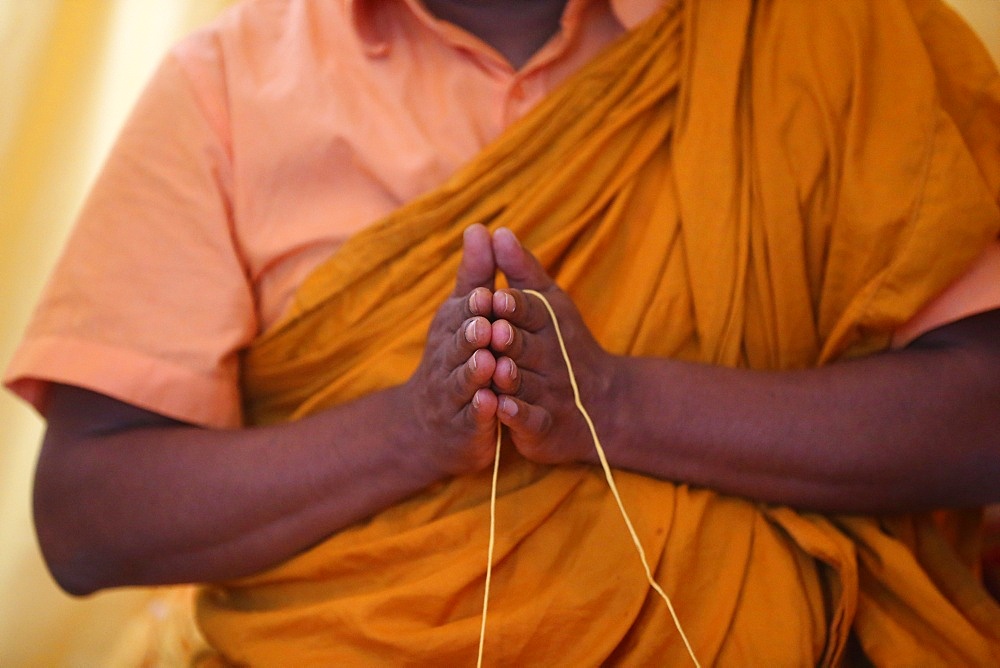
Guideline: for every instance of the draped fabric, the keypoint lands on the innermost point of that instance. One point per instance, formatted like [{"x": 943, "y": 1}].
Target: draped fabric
[{"x": 709, "y": 189}]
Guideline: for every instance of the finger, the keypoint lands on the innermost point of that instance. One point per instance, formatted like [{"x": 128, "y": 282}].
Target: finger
[
  {"x": 469, "y": 338},
  {"x": 527, "y": 349},
  {"x": 479, "y": 302},
  {"x": 521, "y": 309},
  {"x": 477, "y": 267},
  {"x": 506, "y": 378},
  {"x": 455, "y": 314},
  {"x": 480, "y": 415},
  {"x": 474, "y": 375},
  {"x": 522, "y": 269},
  {"x": 526, "y": 385},
  {"x": 505, "y": 339},
  {"x": 482, "y": 410},
  {"x": 527, "y": 422}
]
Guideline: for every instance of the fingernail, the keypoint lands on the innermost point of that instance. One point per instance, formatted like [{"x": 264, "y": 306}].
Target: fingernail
[
  {"x": 473, "y": 363},
  {"x": 507, "y": 230},
  {"x": 510, "y": 334},
  {"x": 470, "y": 332},
  {"x": 508, "y": 407},
  {"x": 508, "y": 303}
]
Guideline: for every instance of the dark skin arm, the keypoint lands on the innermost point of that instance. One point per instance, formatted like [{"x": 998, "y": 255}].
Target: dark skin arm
[
  {"x": 900, "y": 431},
  {"x": 124, "y": 496}
]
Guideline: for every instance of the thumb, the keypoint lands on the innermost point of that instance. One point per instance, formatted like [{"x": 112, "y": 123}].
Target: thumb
[
  {"x": 477, "y": 267},
  {"x": 523, "y": 270}
]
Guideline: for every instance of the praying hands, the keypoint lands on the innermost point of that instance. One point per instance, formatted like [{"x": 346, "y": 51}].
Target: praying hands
[
  {"x": 494, "y": 355},
  {"x": 769, "y": 436}
]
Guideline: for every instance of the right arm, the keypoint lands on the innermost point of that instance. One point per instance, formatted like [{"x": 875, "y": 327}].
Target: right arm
[{"x": 124, "y": 496}]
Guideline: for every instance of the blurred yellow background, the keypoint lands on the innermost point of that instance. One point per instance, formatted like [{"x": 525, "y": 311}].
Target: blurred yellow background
[{"x": 69, "y": 73}]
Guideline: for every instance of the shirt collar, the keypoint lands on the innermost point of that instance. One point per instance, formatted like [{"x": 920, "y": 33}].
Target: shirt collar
[{"x": 372, "y": 28}]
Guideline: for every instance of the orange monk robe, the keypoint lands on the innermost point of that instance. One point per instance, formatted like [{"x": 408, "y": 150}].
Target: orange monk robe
[{"x": 772, "y": 185}]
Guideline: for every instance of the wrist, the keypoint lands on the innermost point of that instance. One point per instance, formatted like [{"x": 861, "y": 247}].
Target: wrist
[
  {"x": 408, "y": 436},
  {"x": 619, "y": 435}
]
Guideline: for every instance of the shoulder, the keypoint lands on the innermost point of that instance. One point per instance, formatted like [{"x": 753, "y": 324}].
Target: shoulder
[
  {"x": 851, "y": 38},
  {"x": 845, "y": 59},
  {"x": 261, "y": 48},
  {"x": 257, "y": 40}
]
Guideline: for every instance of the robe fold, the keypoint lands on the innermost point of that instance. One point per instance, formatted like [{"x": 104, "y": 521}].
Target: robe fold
[{"x": 766, "y": 185}]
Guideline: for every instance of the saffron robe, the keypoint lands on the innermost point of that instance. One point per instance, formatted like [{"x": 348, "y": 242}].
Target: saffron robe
[{"x": 768, "y": 185}]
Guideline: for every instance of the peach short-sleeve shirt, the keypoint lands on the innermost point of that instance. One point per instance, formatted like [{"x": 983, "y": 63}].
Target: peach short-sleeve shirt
[{"x": 260, "y": 145}]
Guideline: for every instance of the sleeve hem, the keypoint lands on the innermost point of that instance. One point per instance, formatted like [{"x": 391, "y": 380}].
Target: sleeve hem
[
  {"x": 161, "y": 386},
  {"x": 976, "y": 291}
]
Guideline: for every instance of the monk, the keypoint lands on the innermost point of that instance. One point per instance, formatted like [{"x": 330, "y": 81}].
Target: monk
[{"x": 768, "y": 231}]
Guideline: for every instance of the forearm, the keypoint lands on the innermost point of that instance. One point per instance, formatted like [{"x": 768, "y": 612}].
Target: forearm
[
  {"x": 894, "y": 432},
  {"x": 900, "y": 431},
  {"x": 182, "y": 504},
  {"x": 126, "y": 496}
]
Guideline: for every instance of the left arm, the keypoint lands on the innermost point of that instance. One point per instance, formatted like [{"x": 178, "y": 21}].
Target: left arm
[{"x": 903, "y": 430}]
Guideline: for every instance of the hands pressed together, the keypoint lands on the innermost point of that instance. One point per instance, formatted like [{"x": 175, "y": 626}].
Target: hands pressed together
[{"x": 493, "y": 356}]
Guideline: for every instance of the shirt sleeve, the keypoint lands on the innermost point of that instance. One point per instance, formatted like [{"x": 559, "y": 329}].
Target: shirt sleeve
[
  {"x": 150, "y": 302},
  {"x": 976, "y": 291}
]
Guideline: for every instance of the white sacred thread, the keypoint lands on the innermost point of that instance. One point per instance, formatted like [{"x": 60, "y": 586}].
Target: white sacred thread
[{"x": 611, "y": 484}]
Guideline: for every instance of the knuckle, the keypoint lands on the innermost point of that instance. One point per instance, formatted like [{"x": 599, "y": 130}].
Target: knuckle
[
  {"x": 542, "y": 420},
  {"x": 456, "y": 388}
]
